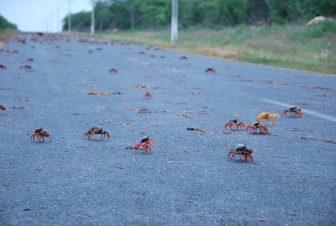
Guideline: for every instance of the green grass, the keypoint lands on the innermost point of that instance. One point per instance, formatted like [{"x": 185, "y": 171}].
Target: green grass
[
  {"x": 6, "y": 34},
  {"x": 292, "y": 46}
]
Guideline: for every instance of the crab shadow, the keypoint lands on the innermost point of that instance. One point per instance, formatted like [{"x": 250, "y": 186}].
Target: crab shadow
[
  {"x": 41, "y": 141},
  {"x": 97, "y": 140},
  {"x": 240, "y": 161}
]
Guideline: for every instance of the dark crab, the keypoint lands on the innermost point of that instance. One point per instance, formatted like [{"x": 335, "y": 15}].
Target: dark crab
[
  {"x": 210, "y": 70},
  {"x": 242, "y": 151},
  {"x": 257, "y": 128},
  {"x": 234, "y": 124},
  {"x": 293, "y": 112},
  {"x": 99, "y": 131},
  {"x": 40, "y": 134}
]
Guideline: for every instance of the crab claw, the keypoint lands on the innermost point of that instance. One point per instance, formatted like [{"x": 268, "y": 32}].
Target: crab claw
[{"x": 137, "y": 146}]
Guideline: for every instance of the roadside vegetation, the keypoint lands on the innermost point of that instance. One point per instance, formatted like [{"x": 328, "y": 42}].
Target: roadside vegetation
[
  {"x": 258, "y": 31},
  {"x": 291, "y": 46},
  {"x": 7, "y": 30}
]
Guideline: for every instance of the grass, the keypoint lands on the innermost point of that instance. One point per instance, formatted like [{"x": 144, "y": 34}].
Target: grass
[
  {"x": 6, "y": 34},
  {"x": 291, "y": 46}
]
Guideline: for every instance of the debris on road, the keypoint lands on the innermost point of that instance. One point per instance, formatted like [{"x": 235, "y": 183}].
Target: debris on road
[
  {"x": 19, "y": 107},
  {"x": 26, "y": 67},
  {"x": 94, "y": 93},
  {"x": 142, "y": 110},
  {"x": 196, "y": 129}
]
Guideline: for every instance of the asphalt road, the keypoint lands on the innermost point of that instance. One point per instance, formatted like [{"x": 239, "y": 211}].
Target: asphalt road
[{"x": 187, "y": 179}]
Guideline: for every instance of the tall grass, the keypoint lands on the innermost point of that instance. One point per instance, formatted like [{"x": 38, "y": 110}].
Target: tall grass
[
  {"x": 6, "y": 34},
  {"x": 292, "y": 46}
]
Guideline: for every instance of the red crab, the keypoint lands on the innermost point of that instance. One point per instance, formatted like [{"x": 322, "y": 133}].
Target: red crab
[
  {"x": 96, "y": 130},
  {"x": 148, "y": 95},
  {"x": 3, "y": 107},
  {"x": 234, "y": 124},
  {"x": 255, "y": 127},
  {"x": 145, "y": 144},
  {"x": 241, "y": 151},
  {"x": 293, "y": 112},
  {"x": 40, "y": 134},
  {"x": 113, "y": 70}
]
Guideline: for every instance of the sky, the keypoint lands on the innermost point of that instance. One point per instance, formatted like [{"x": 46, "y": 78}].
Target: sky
[{"x": 40, "y": 15}]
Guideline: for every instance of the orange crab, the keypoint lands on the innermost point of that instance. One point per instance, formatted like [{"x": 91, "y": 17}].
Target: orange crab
[
  {"x": 257, "y": 127},
  {"x": 266, "y": 116},
  {"x": 145, "y": 144},
  {"x": 235, "y": 124},
  {"x": 40, "y": 134},
  {"x": 293, "y": 112}
]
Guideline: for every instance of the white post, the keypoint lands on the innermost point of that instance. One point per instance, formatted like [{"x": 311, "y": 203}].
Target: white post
[
  {"x": 93, "y": 18},
  {"x": 69, "y": 17},
  {"x": 51, "y": 22},
  {"x": 174, "y": 21},
  {"x": 58, "y": 29}
]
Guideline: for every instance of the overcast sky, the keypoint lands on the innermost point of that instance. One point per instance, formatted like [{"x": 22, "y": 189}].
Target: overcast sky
[{"x": 40, "y": 15}]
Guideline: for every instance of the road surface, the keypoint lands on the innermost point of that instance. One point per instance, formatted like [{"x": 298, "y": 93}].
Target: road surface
[{"x": 187, "y": 179}]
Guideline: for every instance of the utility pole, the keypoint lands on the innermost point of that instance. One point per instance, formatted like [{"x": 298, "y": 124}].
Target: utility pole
[
  {"x": 174, "y": 21},
  {"x": 58, "y": 29},
  {"x": 69, "y": 17},
  {"x": 51, "y": 22},
  {"x": 93, "y": 18}
]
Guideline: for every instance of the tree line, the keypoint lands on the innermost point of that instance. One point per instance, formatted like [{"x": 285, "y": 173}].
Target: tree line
[
  {"x": 5, "y": 24},
  {"x": 149, "y": 14}
]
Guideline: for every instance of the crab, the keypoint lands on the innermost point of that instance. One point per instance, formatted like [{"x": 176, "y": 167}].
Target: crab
[
  {"x": 40, "y": 134},
  {"x": 145, "y": 144},
  {"x": 210, "y": 70},
  {"x": 242, "y": 151},
  {"x": 3, "y": 67},
  {"x": 96, "y": 130},
  {"x": 113, "y": 70},
  {"x": 293, "y": 112},
  {"x": 265, "y": 116},
  {"x": 148, "y": 95},
  {"x": 26, "y": 67},
  {"x": 3, "y": 107},
  {"x": 30, "y": 60},
  {"x": 255, "y": 127},
  {"x": 235, "y": 124}
]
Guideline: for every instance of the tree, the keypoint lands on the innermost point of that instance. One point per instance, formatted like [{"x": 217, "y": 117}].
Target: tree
[{"x": 5, "y": 24}]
